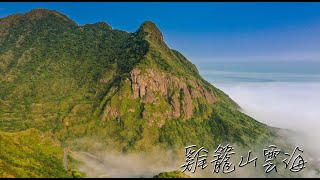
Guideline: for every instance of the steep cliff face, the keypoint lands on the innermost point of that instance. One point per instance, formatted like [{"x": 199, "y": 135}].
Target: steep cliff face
[
  {"x": 178, "y": 92},
  {"x": 172, "y": 97},
  {"x": 77, "y": 81}
]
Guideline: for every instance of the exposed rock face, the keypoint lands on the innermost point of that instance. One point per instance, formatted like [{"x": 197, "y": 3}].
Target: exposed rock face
[
  {"x": 112, "y": 112},
  {"x": 154, "y": 82},
  {"x": 178, "y": 92},
  {"x": 163, "y": 96}
]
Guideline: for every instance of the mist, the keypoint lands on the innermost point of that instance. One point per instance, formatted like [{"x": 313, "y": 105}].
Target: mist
[
  {"x": 287, "y": 105},
  {"x": 108, "y": 162}
]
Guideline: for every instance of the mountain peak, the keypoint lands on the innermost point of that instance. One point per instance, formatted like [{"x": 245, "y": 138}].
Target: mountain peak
[
  {"x": 99, "y": 24},
  {"x": 41, "y": 12},
  {"x": 149, "y": 25},
  {"x": 152, "y": 31},
  {"x": 104, "y": 24}
]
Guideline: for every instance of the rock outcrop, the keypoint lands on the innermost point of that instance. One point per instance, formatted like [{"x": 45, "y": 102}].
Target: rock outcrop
[{"x": 180, "y": 93}]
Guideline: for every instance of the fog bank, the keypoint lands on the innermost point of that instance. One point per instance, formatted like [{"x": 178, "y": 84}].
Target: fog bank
[{"x": 293, "y": 106}]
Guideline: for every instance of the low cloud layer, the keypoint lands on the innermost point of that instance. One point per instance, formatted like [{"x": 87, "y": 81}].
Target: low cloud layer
[
  {"x": 110, "y": 163},
  {"x": 293, "y": 106}
]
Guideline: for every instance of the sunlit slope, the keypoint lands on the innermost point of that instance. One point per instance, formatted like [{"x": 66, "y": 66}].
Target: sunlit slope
[{"x": 30, "y": 154}]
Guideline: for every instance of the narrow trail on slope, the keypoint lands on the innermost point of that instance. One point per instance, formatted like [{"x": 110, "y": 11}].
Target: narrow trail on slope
[{"x": 65, "y": 159}]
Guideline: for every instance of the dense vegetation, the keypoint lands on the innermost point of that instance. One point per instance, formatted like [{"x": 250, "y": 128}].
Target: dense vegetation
[
  {"x": 224, "y": 126},
  {"x": 30, "y": 154},
  {"x": 60, "y": 78}
]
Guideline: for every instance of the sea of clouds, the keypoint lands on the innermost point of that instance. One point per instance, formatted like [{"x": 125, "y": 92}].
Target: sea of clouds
[{"x": 288, "y": 105}]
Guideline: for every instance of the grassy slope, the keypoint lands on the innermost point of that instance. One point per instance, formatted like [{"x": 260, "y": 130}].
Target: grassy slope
[{"x": 29, "y": 154}]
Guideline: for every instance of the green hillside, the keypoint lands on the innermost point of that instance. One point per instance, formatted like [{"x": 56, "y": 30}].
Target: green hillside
[
  {"x": 129, "y": 89},
  {"x": 30, "y": 154}
]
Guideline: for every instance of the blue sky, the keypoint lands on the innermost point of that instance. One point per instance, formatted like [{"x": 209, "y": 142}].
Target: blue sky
[{"x": 209, "y": 31}]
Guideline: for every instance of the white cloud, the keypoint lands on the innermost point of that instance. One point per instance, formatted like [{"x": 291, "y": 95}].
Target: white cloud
[
  {"x": 306, "y": 56},
  {"x": 285, "y": 105}
]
